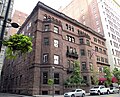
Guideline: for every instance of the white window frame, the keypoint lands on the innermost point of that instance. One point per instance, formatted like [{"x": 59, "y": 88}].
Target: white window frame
[
  {"x": 56, "y": 59},
  {"x": 45, "y": 58},
  {"x": 56, "y": 43},
  {"x": 46, "y": 28},
  {"x": 56, "y": 29}
]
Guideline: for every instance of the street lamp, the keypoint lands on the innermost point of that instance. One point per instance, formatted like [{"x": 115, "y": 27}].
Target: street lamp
[{"x": 15, "y": 25}]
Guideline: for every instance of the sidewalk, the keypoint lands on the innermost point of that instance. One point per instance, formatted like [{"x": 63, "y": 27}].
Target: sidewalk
[
  {"x": 48, "y": 96},
  {"x": 54, "y": 95},
  {"x": 17, "y": 95}
]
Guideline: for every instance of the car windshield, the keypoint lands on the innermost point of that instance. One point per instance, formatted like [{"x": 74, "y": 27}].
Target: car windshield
[
  {"x": 95, "y": 87},
  {"x": 73, "y": 90}
]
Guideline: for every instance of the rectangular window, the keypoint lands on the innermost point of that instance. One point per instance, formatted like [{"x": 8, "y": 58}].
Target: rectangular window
[
  {"x": 70, "y": 38},
  {"x": 56, "y": 43},
  {"x": 81, "y": 41},
  {"x": 100, "y": 50},
  {"x": 71, "y": 49},
  {"x": 68, "y": 63},
  {"x": 46, "y": 41},
  {"x": 91, "y": 66},
  {"x": 100, "y": 69},
  {"x": 84, "y": 67},
  {"x": 20, "y": 80},
  {"x": 88, "y": 42},
  {"x": 45, "y": 58},
  {"x": 56, "y": 78},
  {"x": 103, "y": 43},
  {"x": 96, "y": 49},
  {"x": 89, "y": 53},
  {"x": 82, "y": 51},
  {"x": 45, "y": 77},
  {"x": 104, "y": 51},
  {"x": 102, "y": 59},
  {"x": 115, "y": 61},
  {"x": 56, "y": 29},
  {"x": 56, "y": 59},
  {"x": 106, "y": 60},
  {"x": 98, "y": 58},
  {"x": 44, "y": 92},
  {"x": 85, "y": 79},
  {"x": 46, "y": 28},
  {"x": 95, "y": 39}
]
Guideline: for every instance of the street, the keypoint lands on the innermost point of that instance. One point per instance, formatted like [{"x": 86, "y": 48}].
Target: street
[
  {"x": 110, "y": 95},
  {"x": 15, "y": 95}
]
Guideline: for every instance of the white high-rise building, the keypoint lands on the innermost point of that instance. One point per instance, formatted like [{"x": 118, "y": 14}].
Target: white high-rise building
[
  {"x": 102, "y": 16},
  {"x": 110, "y": 18}
]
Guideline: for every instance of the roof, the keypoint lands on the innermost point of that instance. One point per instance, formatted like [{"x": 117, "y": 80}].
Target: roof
[{"x": 63, "y": 16}]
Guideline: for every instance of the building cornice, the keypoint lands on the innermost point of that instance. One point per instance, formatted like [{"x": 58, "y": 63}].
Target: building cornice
[{"x": 41, "y": 5}]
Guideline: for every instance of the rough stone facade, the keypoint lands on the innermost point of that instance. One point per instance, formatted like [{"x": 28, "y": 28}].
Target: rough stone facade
[{"x": 58, "y": 41}]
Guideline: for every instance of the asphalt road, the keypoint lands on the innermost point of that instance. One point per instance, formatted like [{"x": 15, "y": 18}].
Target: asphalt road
[
  {"x": 15, "y": 95},
  {"x": 110, "y": 95}
]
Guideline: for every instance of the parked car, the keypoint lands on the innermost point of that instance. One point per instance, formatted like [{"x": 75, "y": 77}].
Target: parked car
[
  {"x": 101, "y": 89},
  {"x": 75, "y": 93},
  {"x": 114, "y": 90}
]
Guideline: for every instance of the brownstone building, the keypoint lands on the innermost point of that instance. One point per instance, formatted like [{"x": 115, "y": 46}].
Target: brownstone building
[
  {"x": 58, "y": 41},
  {"x": 103, "y": 16}
]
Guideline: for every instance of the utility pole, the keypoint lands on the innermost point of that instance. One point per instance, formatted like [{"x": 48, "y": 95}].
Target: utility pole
[{"x": 4, "y": 23}]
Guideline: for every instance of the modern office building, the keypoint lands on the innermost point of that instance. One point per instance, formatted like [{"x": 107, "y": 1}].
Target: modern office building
[
  {"x": 3, "y": 7},
  {"x": 58, "y": 41},
  {"x": 103, "y": 16},
  {"x": 19, "y": 18}
]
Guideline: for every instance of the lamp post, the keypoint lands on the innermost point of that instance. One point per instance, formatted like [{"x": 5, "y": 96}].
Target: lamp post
[
  {"x": 15, "y": 25},
  {"x": 4, "y": 23}
]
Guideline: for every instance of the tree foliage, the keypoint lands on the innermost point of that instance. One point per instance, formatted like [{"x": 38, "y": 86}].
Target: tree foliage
[
  {"x": 108, "y": 76},
  {"x": 75, "y": 78},
  {"x": 116, "y": 73},
  {"x": 17, "y": 43},
  {"x": 50, "y": 81}
]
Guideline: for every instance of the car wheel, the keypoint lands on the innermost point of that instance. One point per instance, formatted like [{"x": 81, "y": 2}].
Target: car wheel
[
  {"x": 72, "y": 95},
  {"x": 91, "y": 94},
  {"x": 83, "y": 95},
  {"x": 108, "y": 92},
  {"x": 113, "y": 92},
  {"x": 118, "y": 92},
  {"x": 99, "y": 93}
]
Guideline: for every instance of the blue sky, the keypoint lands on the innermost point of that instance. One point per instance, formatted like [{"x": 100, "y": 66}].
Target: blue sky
[{"x": 26, "y": 6}]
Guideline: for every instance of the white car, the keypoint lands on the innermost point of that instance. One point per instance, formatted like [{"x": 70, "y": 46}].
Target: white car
[
  {"x": 75, "y": 93},
  {"x": 114, "y": 90},
  {"x": 101, "y": 89}
]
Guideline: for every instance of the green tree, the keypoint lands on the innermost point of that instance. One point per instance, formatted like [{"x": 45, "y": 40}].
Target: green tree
[
  {"x": 108, "y": 76},
  {"x": 116, "y": 73},
  {"x": 50, "y": 82},
  {"x": 18, "y": 43},
  {"x": 75, "y": 78},
  {"x": 94, "y": 78}
]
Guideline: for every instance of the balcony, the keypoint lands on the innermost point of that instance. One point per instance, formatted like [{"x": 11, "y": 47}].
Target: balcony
[{"x": 73, "y": 55}]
